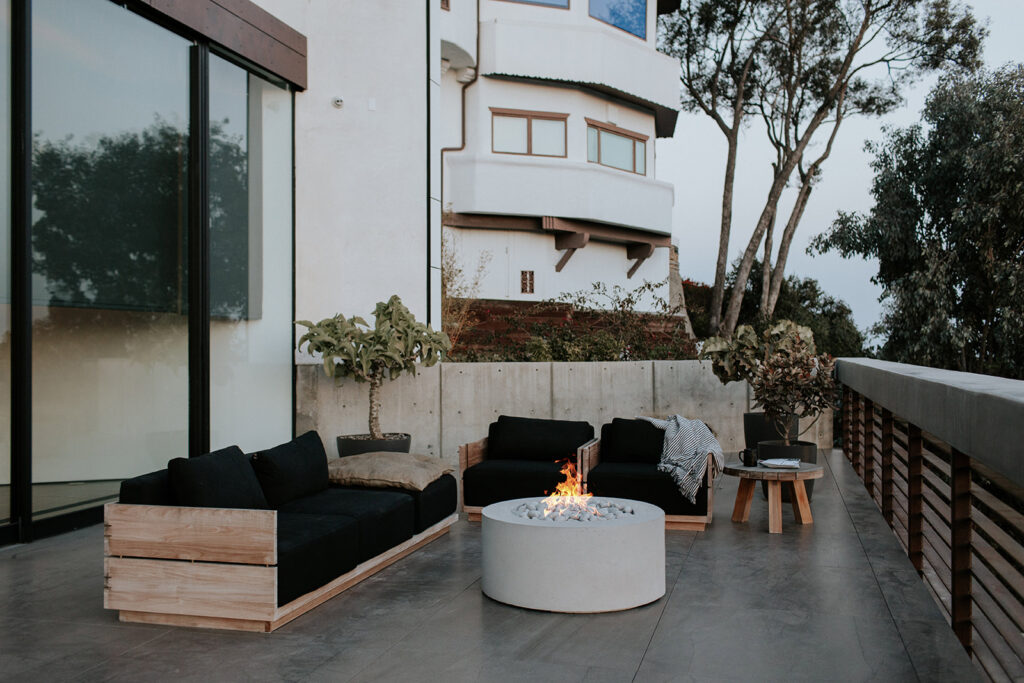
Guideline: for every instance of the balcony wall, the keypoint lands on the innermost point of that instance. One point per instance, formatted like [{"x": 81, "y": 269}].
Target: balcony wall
[
  {"x": 458, "y": 34},
  {"x": 587, "y": 52},
  {"x": 506, "y": 184}
]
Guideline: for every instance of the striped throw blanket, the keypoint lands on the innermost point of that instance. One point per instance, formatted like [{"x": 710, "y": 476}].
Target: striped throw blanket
[{"x": 685, "y": 453}]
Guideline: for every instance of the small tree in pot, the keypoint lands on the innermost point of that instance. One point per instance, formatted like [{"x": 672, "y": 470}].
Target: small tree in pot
[
  {"x": 396, "y": 344},
  {"x": 793, "y": 383}
]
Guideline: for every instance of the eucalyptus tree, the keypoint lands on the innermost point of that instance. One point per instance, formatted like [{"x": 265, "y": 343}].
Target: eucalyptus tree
[{"x": 803, "y": 67}]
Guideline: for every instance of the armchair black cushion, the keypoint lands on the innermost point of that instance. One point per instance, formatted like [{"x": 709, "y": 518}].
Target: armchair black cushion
[
  {"x": 492, "y": 481},
  {"x": 384, "y": 518},
  {"x": 643, "y": 482},
  {"x": 527, "y": 438},
  {"x": 292, "y": 470},
  {"x": 222, "y": 479},
  {"x": 148, "y": 489},
  {"x": 631, "y": 441},
  {"x": 313, "y": 550}
]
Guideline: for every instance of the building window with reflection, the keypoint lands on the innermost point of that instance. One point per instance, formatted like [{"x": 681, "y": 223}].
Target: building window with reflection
[
  {"x": 628, "y": 15},
  {"x": 619, "y": 148},
  {"x": 561, "y": 4}
]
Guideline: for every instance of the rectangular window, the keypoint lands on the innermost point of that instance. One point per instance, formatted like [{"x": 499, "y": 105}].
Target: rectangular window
[
  {"x": 619, "y": 148},
  {"x": 563, "y": 4},
  {"x": 628, "y": 15},
  {"x": 445, "y": 5},
  {"x": 526, "y": 281},
  {"x": 538, "y": 133}
]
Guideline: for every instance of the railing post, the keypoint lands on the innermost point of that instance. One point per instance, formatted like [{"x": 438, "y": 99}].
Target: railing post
[
  {"x": 887, "y": 465},
  {"x": 869, "y": 446},
  {"x": 846, "y": 427},
  {"x": 960, "y": 548},
  {"x": 855, "y": 425},
  {"x": 914, "y": 497}
]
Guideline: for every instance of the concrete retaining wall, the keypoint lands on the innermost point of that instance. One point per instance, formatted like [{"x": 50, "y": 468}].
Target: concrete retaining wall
[{"x": 453, "y": 403}]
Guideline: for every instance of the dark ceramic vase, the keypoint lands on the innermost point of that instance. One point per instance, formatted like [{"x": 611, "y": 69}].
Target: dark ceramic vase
[
  {"x": 757, "y": 428},
  {"x": 805, "y": 451},
  {"x": 354, "y": 444}
]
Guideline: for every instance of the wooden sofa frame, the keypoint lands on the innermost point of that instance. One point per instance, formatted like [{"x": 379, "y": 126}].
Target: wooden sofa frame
[
  {"x": 587, "y": 457},
  {"x": 212, "y": 567}
]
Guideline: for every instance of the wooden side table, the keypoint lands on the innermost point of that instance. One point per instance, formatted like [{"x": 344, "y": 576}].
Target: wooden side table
[{"x": 774, "y": 478}]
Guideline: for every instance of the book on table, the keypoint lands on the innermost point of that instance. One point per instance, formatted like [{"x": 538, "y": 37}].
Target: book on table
[{"x": 781, "y": 463}]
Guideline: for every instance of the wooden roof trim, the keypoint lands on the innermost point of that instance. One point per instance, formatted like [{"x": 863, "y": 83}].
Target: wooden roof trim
[
  {"x": 528, "y": 113},
  {"x": 620, "y": 131}
]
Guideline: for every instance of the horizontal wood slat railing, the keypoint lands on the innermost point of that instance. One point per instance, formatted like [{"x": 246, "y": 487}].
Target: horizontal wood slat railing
[{"x": 959, "y": 514}]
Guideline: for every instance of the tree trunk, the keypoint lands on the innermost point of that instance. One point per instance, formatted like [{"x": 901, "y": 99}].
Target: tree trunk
[
  {"x": 766, "y": 269},
  {"x": 718, "y": 291},
  {"x": 375, "y": 381},
  {"x": 787, "y": 239}
]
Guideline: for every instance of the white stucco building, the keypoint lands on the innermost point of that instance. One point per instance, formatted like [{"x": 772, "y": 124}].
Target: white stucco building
[{"x": 549, "y": 114}]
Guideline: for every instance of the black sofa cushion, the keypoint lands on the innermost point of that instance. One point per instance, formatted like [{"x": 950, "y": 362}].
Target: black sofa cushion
[
  {"x": 438, "y": 500},
  {"x": 631, "y": 441},
  {"x": 292, "y": 470},
  {"x": 643, "y": 482},
  {"x": 528, "y": 438},
  {"x": 222, "y": 479},
  {"x": 313, "y": 550},
  {"x": 148, "y": 489},
  {"x": 495, "y": 480},
  {"x": 385, "y": 518}
]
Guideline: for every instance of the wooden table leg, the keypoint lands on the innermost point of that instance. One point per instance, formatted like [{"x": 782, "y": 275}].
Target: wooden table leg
[
  {"x": 745, "y": 494},
  {"x": 775, "y": 507},
  {"x": 801, "y": 506}
]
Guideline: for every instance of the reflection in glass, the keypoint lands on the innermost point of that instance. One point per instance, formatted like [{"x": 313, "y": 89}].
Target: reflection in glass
[
  {"x": 510, "y": 134},
  {"x": 616, "y": 151},
  {"x": 592, "y": 150},
  {"x": 641, "y": 158},
  {"x": 250, "y": 185},
  {"x": 547, "y": 3},
  {"x": 629, "y": 15},
  {"x": 108, "y": 236},
  {"x": 547, "y": 137},
  {"x": 5, "y": 261}
]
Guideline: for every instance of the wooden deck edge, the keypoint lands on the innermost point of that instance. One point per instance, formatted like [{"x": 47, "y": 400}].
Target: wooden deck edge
[
  {"x": 686, "y": 522},
  {"x": 305, "y": 603},
  {"x": 473, "y": 512},
  {"x": 191, "y": 621}
]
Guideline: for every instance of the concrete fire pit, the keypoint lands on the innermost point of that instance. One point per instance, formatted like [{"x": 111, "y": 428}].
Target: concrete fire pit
[{"x": 611, "y": 561}]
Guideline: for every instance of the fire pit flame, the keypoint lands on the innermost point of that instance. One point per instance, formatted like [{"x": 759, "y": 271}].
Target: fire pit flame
[{"x": 569, "y": 497}]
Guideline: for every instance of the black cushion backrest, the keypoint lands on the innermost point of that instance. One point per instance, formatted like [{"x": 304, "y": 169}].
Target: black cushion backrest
[
  {"x": 528, "y": 438},
  {"x": 148, "y": 489},
  {"x": 292, "y": 470},
  {"x": 631, "y": 441},
  {"x": 222, "y": 479}
]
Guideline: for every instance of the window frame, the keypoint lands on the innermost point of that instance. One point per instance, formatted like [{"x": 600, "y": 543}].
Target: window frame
[
  {"x": 527, "y": 282},
  {"x": 541, "y": 3},
  {"x": 621, "y": 132},
  {"x": 647, "y": 3},
  {"x": 530, "y": 116}
]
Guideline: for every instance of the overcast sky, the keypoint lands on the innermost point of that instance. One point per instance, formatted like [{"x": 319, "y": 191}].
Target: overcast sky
[{"x": 694, "y": 160}]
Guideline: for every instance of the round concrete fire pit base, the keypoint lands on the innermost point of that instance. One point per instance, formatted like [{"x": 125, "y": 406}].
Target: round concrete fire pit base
[{"x": 574, "y": 566}]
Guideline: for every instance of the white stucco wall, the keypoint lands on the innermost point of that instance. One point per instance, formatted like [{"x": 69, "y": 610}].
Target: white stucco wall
[
  {"x": 513, "y": 251},
  {"x": 361, "y": 197}
]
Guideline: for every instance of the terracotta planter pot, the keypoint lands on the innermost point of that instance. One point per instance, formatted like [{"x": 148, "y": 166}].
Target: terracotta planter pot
[{"x": 354, "y": 444}]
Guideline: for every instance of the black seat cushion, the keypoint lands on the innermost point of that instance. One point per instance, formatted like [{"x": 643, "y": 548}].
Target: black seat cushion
[
  {"x": 495, "y": 480},
  {"x": 643, "y": 482},
  {"x": 385, "y": 518},
  {"x": 312, "y": 551},
  {"x": 222, "y": 479},
  {"x": 631, "y": 441},
  {"x": 292, "y": 470},
  {"x": 528, "y": 438},
  {"x": 438, "y": 500},
  {"x": 148, "y": 489}
]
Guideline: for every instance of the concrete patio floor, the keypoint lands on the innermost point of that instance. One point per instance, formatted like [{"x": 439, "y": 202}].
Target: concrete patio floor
[{"x": 834, "y": 601}]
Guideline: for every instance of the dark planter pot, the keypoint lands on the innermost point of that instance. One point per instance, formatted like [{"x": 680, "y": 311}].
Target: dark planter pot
[
  {"x": 805, "y": 451},
  {"x": 354, "y": 444},
  {"x": 757, "y": 428}
]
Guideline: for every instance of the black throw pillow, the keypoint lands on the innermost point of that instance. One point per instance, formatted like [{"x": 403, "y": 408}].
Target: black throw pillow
[
  {"x": 292, "y": 470},
  {"x": 222, "y": 479}
]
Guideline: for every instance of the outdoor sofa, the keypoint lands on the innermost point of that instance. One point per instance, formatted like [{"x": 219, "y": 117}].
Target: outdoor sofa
[
  {"x": 521, "y": 457},
  {"x": 250, "y": 542},
  {"x": 623, "y": 463}
]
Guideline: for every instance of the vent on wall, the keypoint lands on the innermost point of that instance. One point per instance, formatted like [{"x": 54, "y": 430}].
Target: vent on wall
[{"x": 526, "y": 281}]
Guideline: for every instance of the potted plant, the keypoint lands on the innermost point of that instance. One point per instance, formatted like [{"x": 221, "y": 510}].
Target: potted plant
[
  {"x": 396, "y": 344},
  {"x": 736, "y": 360},
  {"x": 793, "y": 382}
]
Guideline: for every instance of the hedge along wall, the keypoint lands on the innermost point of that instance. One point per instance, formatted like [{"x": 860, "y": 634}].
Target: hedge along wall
[{"x": 453, "y": 403}]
